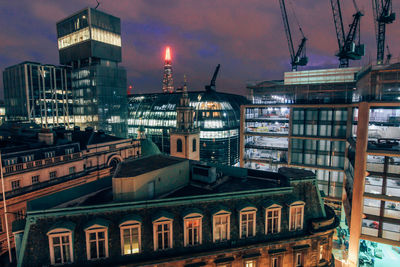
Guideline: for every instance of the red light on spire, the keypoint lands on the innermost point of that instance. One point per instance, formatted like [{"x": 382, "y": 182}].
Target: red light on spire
[{"x": 168, "y": 54}]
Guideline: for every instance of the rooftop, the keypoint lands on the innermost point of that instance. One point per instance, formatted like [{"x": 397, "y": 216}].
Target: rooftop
[{"x": 144, "y": 165}]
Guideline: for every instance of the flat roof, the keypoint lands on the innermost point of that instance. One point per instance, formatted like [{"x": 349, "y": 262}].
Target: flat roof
[{"x": 144, "y": 165}]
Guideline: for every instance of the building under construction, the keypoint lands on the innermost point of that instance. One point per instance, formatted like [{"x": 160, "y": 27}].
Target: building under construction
[{"x": 343, "y": 124}]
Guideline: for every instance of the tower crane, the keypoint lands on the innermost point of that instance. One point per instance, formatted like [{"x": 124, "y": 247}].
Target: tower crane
[
  {"x": 350, "y": 47},
  {"x": 298, "y": 58},
  {"x": 382, "y": 15}
]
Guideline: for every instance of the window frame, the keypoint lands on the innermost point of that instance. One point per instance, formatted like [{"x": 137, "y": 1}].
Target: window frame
[
  {"x": 60, "y": 232},
  {"x": 190, "y": 217},
  {"x": 247, "y": 211},
  {"x": 279, "y": 260},
  {"x": 297, "y": 256},
  {"x": 161, "y": 221},
  {"x": 253, "y": 261},
  {"x": 194, "y": 145},
  {"x": 273, "y": 208},
  {"x": 16, "y": 182},
  {"x": 96, "y": 228},
  {"x": 179, "y": 145},
  {"x": 220, "y": 214},
  {"x": 292, "y": 207},
  {"x": 129, "y": 225}
]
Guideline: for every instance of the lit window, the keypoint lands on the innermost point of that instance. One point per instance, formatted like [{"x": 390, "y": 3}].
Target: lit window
[
  {"x": 250, "y": 263},
  {"x": 296, "y": 216},
  {"x": 221, "y": 226},
  {"x": 27, "y": 158},
  {"x": 60, "y": 246},
  {"x": 96, "y": 242},
  {"x": 130, "y": 237},
  {"x": 273, "y": 219},
  {"x": 248, "y": 222},
  {"x": 15, "y": 184},
  {"x": 193, "y": 229},
  {"x": 69, "y": 151},
  {"x": 162, "y": 233},
  {"x": 73, "y": 38}
]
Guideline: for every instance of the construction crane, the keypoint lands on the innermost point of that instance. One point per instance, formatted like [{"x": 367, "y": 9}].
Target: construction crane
[
  {"x": 382, "y": 15},
  {"x": 350, "y": 47},
  {"x": 211, "y": 86},
  {"x": 298, "y": 58}
]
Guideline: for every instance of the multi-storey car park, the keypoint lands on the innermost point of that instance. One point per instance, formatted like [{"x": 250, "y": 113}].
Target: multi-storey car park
[{"x": 343, "y": 124}]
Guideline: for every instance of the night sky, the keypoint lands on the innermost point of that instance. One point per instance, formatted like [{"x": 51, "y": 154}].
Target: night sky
[{"x": 245, "y": 36}]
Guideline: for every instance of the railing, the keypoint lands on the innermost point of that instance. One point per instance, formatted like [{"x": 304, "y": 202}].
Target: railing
[{"x": 39, "y": 163}]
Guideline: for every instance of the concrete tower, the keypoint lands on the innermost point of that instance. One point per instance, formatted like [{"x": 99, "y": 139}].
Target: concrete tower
[
  {"x": 185, "y": 138},
  {"x": 168, "y": 83}
]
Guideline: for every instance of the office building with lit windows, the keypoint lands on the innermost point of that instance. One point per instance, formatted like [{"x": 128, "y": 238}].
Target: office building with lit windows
[
  {"x": 167, "y": 211},
  {"x": 90, "y": 42},
  {"x": 343, "y": 124},
  {"x": 216, "y": 114},
  {"x": 38, "y": 93}
]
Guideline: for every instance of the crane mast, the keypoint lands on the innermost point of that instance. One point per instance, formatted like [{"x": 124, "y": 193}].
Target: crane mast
[
  {"x": 348, "y": 48},
  {"x": 299, "y": 57},
  {"x": 383, "y": 15}
]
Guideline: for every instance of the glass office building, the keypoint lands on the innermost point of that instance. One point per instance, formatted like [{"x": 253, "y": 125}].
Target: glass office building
[
  {"x": 39, "y": 93},
  {"x": 90, "y": 42},
  {"x": 217, "y": 115}
]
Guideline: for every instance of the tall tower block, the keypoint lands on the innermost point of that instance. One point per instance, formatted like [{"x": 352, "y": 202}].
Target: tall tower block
[
  {"x": 168, "y": 83},
  {"x": 185, "y": 138}
]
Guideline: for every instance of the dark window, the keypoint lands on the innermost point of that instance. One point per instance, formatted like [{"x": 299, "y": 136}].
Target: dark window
[
  {"x": 194, "y": 145},
  {"x": 179, "y": 145}
]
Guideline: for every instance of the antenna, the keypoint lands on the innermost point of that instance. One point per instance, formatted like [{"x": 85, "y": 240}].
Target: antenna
[{"x": 98, "y": 3}]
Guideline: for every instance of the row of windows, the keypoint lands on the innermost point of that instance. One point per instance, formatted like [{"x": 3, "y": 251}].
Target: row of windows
[
  {"x": 60, "y": 239},
  {"x": 15, "y": 184}
]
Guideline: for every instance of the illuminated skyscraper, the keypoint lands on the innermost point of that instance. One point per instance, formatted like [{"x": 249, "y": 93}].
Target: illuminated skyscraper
[
  {"x": 168, "y": 83},
  {"x": 90, "y": 42}
]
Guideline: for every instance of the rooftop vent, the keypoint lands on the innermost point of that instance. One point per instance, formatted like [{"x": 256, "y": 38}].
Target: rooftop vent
[{"x": 205, "y": 174}]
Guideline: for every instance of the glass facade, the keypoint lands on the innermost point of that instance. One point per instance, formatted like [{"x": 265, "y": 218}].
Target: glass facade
[
  {"x": 90, "y": 42},
  {"x": 39, "y": 93},
  {"x": 217, "y": 115}
]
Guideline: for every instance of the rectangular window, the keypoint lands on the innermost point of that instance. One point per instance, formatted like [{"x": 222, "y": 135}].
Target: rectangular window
[
  {"x": 298, "y": 260},
  {"x": 250, "y": 263},
  {"x": 71, "y": 170},
  {"x": 69, "y": 151},
  {"x": 35, "y": 179},
  {"x": 296, "y": 217},
  {"x": 192, "y": 232},
  {"x": 97, "y": 244},
  {"x": 20, "y": 214},
  {"x": 248, "y": 224},
  {"x": 50, "y": 154},
  {"x": 273, "y": 222},
  {"x": 60, "y": 249},
  {"x": 130, "y": 239},
  {"x": 27, "y": 158},
  {"x": 221, "y": 227},
  {"x": 53, "y": 174},
  {"x": 15, "y": 184},
  {"x": 163, "y": 235},
  {"x": 276, "y": 261}
]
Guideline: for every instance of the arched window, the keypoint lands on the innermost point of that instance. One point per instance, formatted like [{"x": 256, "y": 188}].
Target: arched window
[
  {"x": 194, "y": 143},
  {"x": 130, "y": 235},
  {"x": 60, "y": 243},
  {"x": 179, "y": 145}
]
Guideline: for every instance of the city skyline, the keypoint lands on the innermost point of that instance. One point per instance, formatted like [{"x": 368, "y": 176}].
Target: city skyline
[{"x": 246, "y": 38}]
